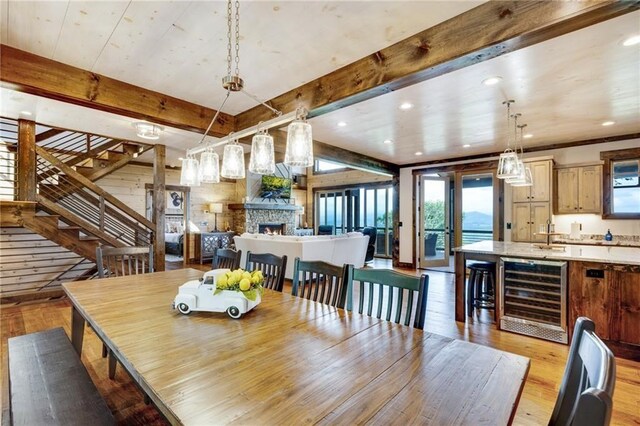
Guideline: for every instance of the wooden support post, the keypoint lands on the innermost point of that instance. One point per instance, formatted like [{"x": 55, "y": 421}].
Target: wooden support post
[
  {"x": 26, "y": 161},
  {"x": 395, "y": 214},
  {"x": 159, "y": 207}
]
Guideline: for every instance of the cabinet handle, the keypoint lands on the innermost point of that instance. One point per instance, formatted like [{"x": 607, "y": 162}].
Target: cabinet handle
[{"x": 580, "y": 208}]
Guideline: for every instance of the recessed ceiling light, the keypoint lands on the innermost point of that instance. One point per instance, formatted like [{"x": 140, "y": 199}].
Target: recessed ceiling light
[
  {"x": 180, "y": 158},
  {"x": 341, "y": 123},
  {"x": 26, "y": 113},
  {"x": 387, "y": 141},
  {"x": 491, "y": 81},
  {"x": 632, "y": 41},
  {"x": 418, "y": 152},
  {"x": 466, "y": 145},
  {"x": 527, "y": 136},
  {"x": 608, "y": 123},
  {"x": 406, "y": 106}
]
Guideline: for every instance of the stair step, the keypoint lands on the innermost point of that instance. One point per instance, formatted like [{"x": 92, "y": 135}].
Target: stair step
[
  {"x": 112, "y": 156},
  {"x": 69, "y": 228},
  {"x": 89, "y": 238},
  {"x": 129, "y": 148}
]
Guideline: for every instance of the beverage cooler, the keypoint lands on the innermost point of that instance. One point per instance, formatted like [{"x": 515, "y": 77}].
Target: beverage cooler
[{"x": 533, "y": 298}]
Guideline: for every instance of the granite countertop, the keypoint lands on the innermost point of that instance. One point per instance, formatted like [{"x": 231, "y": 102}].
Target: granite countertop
[
  {"x": 593, "y": 242},
  {"x": 583, "y": 253}
]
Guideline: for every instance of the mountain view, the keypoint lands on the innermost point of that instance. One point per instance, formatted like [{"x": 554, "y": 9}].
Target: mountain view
[{"x": 477, "y": 221}]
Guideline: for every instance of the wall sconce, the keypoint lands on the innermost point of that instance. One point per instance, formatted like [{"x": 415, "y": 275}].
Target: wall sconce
[{"x": 215, "y": 208}]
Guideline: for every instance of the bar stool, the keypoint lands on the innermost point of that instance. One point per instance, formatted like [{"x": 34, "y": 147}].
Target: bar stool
[{"x": 481, "y": 288}]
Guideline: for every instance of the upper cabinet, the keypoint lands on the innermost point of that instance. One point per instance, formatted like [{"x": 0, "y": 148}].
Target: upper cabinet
[
  {"x": 541, "y": 189},
  {"x": 578, "y": 189}
]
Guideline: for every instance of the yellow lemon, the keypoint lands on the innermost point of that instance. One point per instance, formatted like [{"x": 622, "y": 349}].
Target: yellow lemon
[
  {"x": 245, "y": 284},
  {"x": 246, "y": 275},
  {"x": 256, "y": 279},
  {"x": 236, "y": 276},
  {"x": 221, "y": 282}
]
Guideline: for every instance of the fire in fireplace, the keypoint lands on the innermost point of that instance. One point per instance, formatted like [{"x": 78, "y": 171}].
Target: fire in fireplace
[{"x": 272, "y": 228}]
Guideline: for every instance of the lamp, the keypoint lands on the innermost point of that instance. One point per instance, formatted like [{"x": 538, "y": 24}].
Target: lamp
[
  {"x": 215, "y": 208},
  {"x": 209, "y": 167},
  {"x": 189, "y": 173},
  {"x": 508, "y": 166},
  {"x": 233, "y": 161},
  {"x": 147, "y": 130},
  {"x": 299, "y": 150},
  {"x": 262, "y": 159},
  {"x": 525, "y": 178}
]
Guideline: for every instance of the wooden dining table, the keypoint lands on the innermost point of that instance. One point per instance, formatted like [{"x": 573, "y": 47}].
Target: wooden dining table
[{"x": 291, "y": 360}]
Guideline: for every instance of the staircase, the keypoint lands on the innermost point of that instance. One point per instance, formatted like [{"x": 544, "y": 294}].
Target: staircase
[{"x": 70, "y": 210}]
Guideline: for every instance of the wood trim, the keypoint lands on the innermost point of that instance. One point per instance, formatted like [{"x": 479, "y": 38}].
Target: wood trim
[
  {"x": 177, "y": 188},
  {"x": 465, "y": 168},
  {"x": 395, "y": 256},
  {"x": 26, "y": 170},
  {"x": 159, "y": 206},
  {"x": 549, "y": 147},
  {"x": 72, "y": 174},
  {"x": 482, "y": 33},
  {"x": 36, "y": 75},
  {"x": 607, "y": 186}
]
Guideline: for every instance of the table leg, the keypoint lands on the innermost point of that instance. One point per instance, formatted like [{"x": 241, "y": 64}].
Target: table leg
[
  {"x": 77, "y": 329},
  {"x": 459, "y": 286}
]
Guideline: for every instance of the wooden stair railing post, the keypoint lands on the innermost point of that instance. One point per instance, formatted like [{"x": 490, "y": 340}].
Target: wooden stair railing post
[
  {"x": 159, "y": 206},
  {"x": 26, "y": 173},
  {"x": 101, "y": 213}
]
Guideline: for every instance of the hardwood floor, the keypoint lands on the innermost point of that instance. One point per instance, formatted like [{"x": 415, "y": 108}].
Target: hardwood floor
[{"x": 547, "y": 359}]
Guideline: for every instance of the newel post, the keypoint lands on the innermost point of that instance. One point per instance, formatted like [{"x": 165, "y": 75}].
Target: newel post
[
  {"x": 26, "y": 173},
  {"x": 159, "y": 206}
]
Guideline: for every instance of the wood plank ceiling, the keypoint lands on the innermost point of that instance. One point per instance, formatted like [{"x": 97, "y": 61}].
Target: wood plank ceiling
[{"x": 170, "y": 48}]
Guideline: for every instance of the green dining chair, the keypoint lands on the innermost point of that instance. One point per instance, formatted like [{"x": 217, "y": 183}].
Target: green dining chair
[
  {"x": 320, "y": 281},
  {"x": 388, "y": 289}
]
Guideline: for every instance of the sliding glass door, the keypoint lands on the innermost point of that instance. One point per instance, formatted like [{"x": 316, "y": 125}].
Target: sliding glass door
[
  {"x": 433, "y": 237},
  {"x": 353, "y": 209}
]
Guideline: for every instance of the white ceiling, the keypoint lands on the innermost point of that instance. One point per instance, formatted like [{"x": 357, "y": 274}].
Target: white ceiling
[{"x": 564, "y": 87}]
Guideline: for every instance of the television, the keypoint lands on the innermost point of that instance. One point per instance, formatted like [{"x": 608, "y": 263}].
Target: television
[{"x": 274, "y": 187}]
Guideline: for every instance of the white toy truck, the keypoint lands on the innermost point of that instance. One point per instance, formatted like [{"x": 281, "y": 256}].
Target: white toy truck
[{"x": 197, "y": 295}]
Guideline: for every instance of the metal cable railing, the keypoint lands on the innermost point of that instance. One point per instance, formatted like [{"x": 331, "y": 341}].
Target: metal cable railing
[
  {"x": 8, "y": 151},
  {"x": 92, "y": 208}
]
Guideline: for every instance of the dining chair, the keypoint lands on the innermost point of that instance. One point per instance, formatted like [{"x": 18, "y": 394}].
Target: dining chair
[
  {"x": 122, "y": 261},
  {"x": 385, "y": 288},
  {"x": 586, "y": 393},
  {"x": 119, "y": 262},
  {"x": 320, "y": 281},
  {"x": 273, "y": 268},
  {"x": 226, "y": 258}
]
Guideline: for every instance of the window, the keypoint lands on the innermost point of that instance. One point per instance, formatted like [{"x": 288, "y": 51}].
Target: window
[
  {"x": 322, "y": 166},
  {"x": 621, "y": 184}
]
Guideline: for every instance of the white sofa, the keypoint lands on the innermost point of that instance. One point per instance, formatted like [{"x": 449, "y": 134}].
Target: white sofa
[{"x": 336, "y": 249}]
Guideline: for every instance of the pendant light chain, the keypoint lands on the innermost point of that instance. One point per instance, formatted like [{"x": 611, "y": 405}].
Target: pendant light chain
[
  {"x": 229, "y": 26},
  {"x": 237, "y": 38}
]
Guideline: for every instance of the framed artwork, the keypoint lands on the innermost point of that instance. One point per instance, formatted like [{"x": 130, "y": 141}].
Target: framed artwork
[{"x": 174, "y": 201}]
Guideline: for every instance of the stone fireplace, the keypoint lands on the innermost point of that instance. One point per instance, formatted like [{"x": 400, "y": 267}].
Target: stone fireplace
[
  {"x": 272, "y": 228},
  {"x": 248, "y": 217}
]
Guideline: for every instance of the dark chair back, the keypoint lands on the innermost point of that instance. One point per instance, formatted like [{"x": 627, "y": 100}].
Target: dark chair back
[
  {"x": 325, "y": 229},
  {"x": 387, "y": 289},
  {"x": 273, "y": 268},
  {"x": 371, "y": 246},
  {"x": 320, "y": 281},
  {"x": 121, "y": 261},
  {"x": 226, "y": 258},
  {"x": 586, "y": 392}
]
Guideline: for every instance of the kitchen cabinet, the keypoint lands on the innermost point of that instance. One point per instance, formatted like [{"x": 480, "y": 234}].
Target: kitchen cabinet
[
  {"x": 578, "y": 189},
  {"x": 531, "y": 205},
  {"x": 609, "y": 294},
  {"x": 541, "y": 188}
]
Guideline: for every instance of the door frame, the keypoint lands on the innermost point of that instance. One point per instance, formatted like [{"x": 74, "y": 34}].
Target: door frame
[{"x": 422, "y": 262}]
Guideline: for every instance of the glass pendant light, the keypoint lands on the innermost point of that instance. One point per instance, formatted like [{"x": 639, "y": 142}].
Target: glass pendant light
[
  {"x": 262, "y": 159},
  {"x": 508, "y": 166},
  {"x": 233, "y": 161},
  {"x": 209, "y": 167},
  {"x": 189, "y": 172},
  {"x": 299, "y": 151},
  {"x": 525, "y": 178}
]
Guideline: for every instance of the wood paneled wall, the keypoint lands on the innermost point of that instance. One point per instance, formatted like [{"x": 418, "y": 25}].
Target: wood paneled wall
[
  {"x": 333, "y": 180},
  {"x": 128, "y": 184}
]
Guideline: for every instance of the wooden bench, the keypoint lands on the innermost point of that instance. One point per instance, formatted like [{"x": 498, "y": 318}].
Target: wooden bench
[{"x": 48, "y": 383}]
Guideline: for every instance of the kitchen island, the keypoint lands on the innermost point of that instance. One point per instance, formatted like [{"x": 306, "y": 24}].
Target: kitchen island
[{"x": 600, "y": 282}]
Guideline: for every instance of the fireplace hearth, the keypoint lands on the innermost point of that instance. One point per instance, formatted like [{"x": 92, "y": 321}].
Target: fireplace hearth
[{"x": 272, "y": 228}]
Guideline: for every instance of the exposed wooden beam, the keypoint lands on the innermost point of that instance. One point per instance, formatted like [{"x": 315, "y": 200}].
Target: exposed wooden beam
[
  {"x": 29, "y": 73},
  {"x": 482, "y": 33},
  {"x": 26, "y": 170},
  {"x": 159, "y": 206}
]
